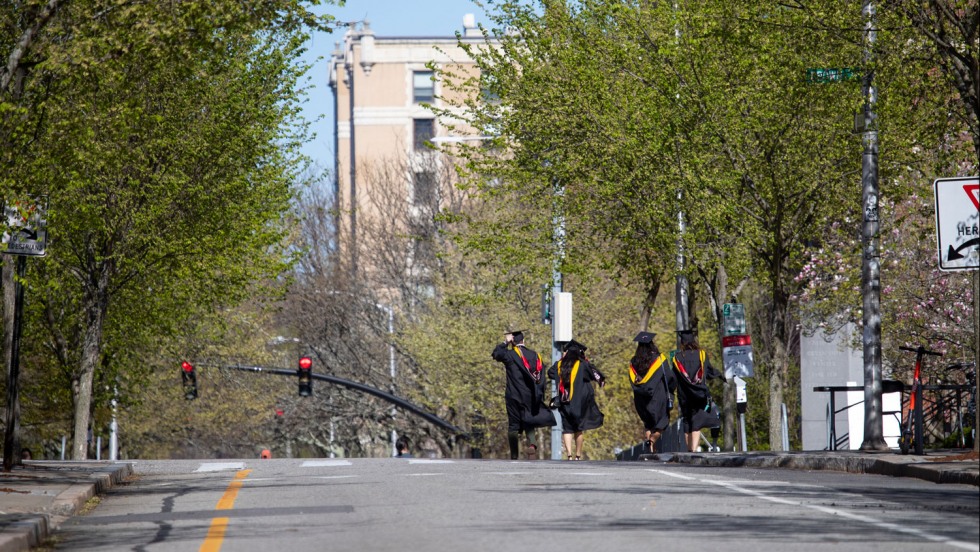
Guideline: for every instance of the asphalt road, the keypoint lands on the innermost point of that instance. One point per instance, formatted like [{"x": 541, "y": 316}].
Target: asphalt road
[{"x": 495, "y": 505}]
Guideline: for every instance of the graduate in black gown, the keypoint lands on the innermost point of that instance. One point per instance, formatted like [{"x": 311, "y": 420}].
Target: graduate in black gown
[
  {"x": 692, "y": 369},
  {"x": 525, "y": 394},
  {"x": 651, "y": 377},
  {"x": 574, "y": 375}
]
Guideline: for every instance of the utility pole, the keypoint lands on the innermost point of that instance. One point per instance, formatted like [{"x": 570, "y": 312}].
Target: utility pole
[
  {"x": 871, "y": 265},
  {"x": 558, "y": 225},
  {"x": 681, "y": 296},
  {"x": 681, "y": 292}
]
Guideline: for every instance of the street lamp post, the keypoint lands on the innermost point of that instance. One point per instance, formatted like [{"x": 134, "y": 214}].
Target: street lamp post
[
  {"x": 391, "y": 365},
  {"x": 390, "y": 314},
  {"x": 871, "y": 266}
]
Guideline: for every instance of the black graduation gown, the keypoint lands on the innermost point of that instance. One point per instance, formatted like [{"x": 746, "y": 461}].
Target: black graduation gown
[
  {"x": 581, "y": 413},
  {"x": 693, "y": 397},
  {"x": 652, "y": 397},
  {"x": 525, "y": 396}
]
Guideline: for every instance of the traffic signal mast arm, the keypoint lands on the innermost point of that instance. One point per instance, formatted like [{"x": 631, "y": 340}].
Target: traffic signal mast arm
[{"x": 397, "y": 401}]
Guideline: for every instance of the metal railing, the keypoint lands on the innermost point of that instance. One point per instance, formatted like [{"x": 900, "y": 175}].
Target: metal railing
[{"x": 940, "y": 403}]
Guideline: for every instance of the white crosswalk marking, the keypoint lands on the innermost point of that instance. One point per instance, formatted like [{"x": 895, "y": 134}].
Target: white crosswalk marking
[
  {"x": 325, "y": 463},
  {"x": 220, "y": 466}
]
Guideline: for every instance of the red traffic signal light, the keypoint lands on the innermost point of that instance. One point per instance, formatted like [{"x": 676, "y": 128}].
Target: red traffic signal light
[
  {"x": 189, "y": 378},
  {"x": 305, "y": 376}
]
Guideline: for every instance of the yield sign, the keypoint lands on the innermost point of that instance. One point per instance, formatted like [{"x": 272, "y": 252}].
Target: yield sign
[
  {"x": 973, "y": 190},
  {"x": 958, "y": 222}
]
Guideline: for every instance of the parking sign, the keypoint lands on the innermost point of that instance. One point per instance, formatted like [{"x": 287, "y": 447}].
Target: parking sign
[
  {"x": 25, "y": 224},
  {"x": 958, "y": 222}
]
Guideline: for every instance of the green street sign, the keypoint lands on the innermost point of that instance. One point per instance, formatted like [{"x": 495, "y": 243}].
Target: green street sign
[
  {"x": 733, "y": 319},
  {"x": 827, "y": 75}
]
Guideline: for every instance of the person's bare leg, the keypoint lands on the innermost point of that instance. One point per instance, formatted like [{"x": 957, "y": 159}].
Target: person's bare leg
[
  {"x": 566, "y": 439},
  {"x": 693, "y": 440},
  {"x": 579, "y": 441}
]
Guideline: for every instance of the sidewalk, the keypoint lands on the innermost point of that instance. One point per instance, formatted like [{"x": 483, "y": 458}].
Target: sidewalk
[
  {"x": 938, "y": 466},
  {"x": 37, "y": 497}
]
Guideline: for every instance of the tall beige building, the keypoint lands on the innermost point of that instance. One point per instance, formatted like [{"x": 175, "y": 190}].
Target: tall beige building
[{"x": 383, "y": 169}]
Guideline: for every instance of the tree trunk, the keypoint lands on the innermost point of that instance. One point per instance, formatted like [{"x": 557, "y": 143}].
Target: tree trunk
[
  {"x": 777, "y": 387},
  {"x": 647, "y": 309},
  {"x": 780, "y": 336},
  {"x": 95, "y": 308},
  {"x": 12, "y": 414},
  {"x": 729, "y": 407}
]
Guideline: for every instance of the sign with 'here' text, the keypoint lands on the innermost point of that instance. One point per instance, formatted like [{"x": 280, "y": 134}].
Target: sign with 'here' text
[{"x": 958, "y": 222}]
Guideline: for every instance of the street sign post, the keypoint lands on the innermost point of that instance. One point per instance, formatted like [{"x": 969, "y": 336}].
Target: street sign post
[
  {"x": 736, "y": 355},
  {"x": 25, "y": 229},
  {"x": 958, "y": 222},
  {"x": 733, "y": 317},
  {"x": 736, "y": 345}
]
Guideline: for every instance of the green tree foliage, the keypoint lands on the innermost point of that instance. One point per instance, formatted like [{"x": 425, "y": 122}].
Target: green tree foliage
[
  {"x": 643, "y": 111},
  {"x": 164, "y": 135},
  {"x": 945, "y": 38}
]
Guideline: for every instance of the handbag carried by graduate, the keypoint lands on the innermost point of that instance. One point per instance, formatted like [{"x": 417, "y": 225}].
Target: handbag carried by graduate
[{"x": 708, "y": 417}]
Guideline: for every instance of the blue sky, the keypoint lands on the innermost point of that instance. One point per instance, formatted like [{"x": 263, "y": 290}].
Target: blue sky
[{"x": 387, "y": 18}]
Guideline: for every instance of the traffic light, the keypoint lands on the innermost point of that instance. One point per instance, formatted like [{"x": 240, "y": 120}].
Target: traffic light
[
  {"x": 189, "y": 378},
  {"x": 305, "y": 373}
]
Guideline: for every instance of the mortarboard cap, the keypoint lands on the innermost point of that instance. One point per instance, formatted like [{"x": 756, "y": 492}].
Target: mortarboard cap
[
  {"x": 687, "y": 336},
  {"x": 574, "y": 345},
  {"x": 644, "y": 337}
]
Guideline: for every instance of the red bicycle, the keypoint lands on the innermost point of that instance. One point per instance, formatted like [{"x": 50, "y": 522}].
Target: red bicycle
[{"x": 912, "y": 431}]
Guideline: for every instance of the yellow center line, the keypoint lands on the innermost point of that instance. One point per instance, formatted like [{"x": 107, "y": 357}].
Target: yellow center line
[{"x": 216, "y": 533}]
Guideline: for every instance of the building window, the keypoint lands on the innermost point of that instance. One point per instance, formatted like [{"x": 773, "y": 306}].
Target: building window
[
  {"x": 425, "y": 130},
  {"x": 423, "y": 87},
  {"x": 424, "y": 189}
]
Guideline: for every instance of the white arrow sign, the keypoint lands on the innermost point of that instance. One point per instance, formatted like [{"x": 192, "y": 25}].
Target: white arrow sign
[{"x": 958, "y": 222}]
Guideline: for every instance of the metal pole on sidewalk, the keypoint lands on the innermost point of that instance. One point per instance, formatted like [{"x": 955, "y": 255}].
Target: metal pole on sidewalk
[
  {"x": 391, "y": 365},
  {"x": 558, "y": 224},
  {"x": 741, "y": 426},
  {"x": 114, "y": 429},
  {"x": 785, "y": 428},
  {"x": 871, "y": 266},
  {"x": 976, "y": 357}
]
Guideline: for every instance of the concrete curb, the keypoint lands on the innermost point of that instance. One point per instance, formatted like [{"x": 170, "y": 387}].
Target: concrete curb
[
  {"x": 928, "y": 471},
  {"x": 21, "y": 532}
]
